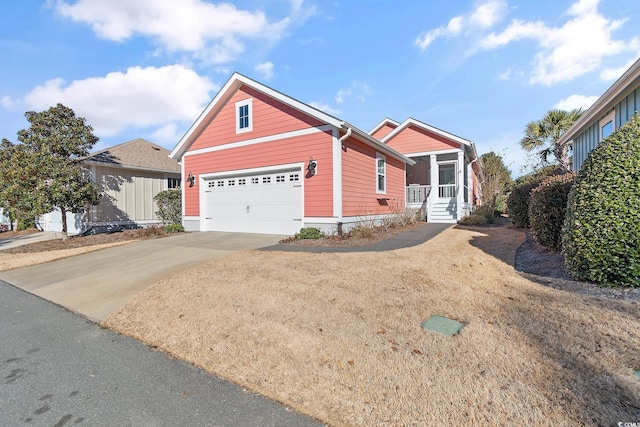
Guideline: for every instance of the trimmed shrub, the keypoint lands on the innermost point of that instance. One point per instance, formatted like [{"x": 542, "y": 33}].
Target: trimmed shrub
[
  {"x": 174, "y": 228},
  {"x": 309, "y": 233},
  {"x": 601, "y": 237},
  {"x": 518, "y": 204},
  {"x": 169, "y": 204},
  {"x": 547, "y": 208},
  {"x": 481, "y": 215}
]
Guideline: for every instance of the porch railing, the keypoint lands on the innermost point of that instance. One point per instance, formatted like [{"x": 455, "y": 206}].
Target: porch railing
[
  {"x": 417, "y": 194},
  {"x": 447, "y": 191}
]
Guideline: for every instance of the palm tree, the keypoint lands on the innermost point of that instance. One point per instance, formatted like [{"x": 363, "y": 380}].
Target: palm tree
[{"x": 544, "y": 135}]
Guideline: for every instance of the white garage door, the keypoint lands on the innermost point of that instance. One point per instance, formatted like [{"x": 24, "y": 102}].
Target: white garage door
[{"x": 269, "y": 203}]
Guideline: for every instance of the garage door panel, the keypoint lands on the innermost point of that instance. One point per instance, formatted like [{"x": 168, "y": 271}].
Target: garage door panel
[{"x": 257, "y": 203}]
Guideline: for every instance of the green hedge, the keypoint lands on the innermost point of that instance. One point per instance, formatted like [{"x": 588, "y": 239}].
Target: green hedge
[
  {"x": 518, "y": 204},
  {"x": 518, "y": 200},
  {"x": 547, "y": 208},
  {"x": 601, "y": 238}
]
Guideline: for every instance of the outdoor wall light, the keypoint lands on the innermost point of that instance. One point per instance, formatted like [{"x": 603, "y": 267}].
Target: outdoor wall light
[
  {"x": 313, "y": 166},
  {"x": 192, "y": 179}
]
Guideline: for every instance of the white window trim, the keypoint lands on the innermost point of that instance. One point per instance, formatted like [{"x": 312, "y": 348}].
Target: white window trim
[
  {"x": 611, "y": 117},
  {"x": 249, "y": 103},
  {"x": 381, "y": 157}
]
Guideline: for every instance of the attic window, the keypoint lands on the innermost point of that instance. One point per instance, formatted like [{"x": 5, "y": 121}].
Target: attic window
[{"x": 244, "y": 116}]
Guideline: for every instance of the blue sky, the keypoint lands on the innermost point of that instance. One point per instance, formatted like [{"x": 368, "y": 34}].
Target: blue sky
[{"x": 478, "y": 69}]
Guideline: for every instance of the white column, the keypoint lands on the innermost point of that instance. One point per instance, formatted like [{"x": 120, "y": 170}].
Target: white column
[
  {"x": 433, "y": 165},
  {"x": 470, "y": 184},
  {"x": 460, "y": 184}
]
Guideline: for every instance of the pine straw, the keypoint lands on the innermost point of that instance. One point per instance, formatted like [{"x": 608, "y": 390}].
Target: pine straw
[{"x": 338, "y": 336}]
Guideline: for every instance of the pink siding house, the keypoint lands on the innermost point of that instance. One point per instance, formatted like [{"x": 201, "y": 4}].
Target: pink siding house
[
  {"x": 444, "y": 181},
  {"x": 259, "y": 161}
]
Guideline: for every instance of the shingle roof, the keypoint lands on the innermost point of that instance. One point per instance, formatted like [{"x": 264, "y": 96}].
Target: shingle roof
[{"x": 138, "y": 153}]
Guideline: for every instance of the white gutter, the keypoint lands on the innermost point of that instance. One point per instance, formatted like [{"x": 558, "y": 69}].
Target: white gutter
[
  {"x": 608, "y": 100},
  {"x": 377, "y": 144}
]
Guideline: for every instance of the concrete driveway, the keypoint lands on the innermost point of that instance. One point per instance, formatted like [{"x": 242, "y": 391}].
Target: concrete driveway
[{"x": 98, "y": 283}]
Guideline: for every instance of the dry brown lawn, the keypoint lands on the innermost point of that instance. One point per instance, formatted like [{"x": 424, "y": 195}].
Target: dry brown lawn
[{"x": 338, "y": 336}]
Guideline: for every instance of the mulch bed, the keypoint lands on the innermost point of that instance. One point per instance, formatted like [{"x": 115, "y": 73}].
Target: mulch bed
[
  {"x": 546, "y": 267},
  {"x": 91, "y": 240},
  {"x": 354, "y": 239}
]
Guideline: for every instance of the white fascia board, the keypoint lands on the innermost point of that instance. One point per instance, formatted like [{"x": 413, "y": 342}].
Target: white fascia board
[
  {"x": 368, "y": 139},
  {"x": 413, "y": 122},
  {"x": 613, "y": 95},
  {"x": 235, "y": 81},
  {"x": 263, "y": 139},
  {"x": 385, "y": 121},
  {"x": 208, "y": 112}
]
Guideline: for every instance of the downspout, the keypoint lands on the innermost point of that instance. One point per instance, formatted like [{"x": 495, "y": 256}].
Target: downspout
[
  {"x": 345, "y": 137},
  {"x": 342, "y": 141}
]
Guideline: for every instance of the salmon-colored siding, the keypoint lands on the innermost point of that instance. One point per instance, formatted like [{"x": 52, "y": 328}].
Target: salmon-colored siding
[
  {"x": 318, "y": 197},
  {"x": 269, "y": 117},
  {"x": 415, "y": 140},
  {"x": 384, "y": 131},
  {"x": 359, "y": 196}
]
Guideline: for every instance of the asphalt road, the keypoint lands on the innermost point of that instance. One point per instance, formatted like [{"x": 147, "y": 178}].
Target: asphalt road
[{"x": 59, "y": 369}]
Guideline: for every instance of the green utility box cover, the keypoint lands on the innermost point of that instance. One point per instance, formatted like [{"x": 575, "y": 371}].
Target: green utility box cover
[
  {"x": 638, "y": 374},
  {"x": 442, "y": 325}
]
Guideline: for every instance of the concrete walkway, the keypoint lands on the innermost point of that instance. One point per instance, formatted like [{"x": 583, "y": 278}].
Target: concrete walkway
[
  {"x": 58, "y": 369},
  {"x": 407, "y": 239},
  {"x": 12, "y": 242},
  {"x": 97, "y": 283}
]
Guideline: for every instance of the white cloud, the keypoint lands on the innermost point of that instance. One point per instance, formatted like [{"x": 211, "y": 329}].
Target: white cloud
[
  {"x": 342, "y": 95},
  {"x": 488, "y": 14},
  {"x": 265, "y": 69},
  {"x": 454, "y": 27},
  {"x": 214, "y": 32},
  {"x": 610, "y": 74},
  {"x": 484, "y": 16},
  {"x": 7, "y": 102},
  {"x": 137, "y": 98},
  {"x": 575, "y": 101},
  {"x": 569, "y": 51},
  {"x": 505, "y": 75},
  {"x": 167, "y": 134},
  {"x": 324, "y": 107},
  {"x": 359, "y": 90}
]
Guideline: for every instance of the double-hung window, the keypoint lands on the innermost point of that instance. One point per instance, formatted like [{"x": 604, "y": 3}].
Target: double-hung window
[
  {"x": 173, "y": 183},
  {"x": 381, "y": 173},
  {"x": 244, "y": 116}
]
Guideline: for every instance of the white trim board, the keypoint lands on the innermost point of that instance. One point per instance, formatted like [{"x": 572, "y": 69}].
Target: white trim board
[{"x": 270, "y": 138}]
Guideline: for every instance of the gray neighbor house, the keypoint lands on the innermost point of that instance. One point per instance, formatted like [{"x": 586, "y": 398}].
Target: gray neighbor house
[
  {"x": 128, "y": 175},
  {"x": 612, "y": 110}
]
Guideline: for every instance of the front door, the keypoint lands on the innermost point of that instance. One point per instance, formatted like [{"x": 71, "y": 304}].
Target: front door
[{"x": 447, "y": 181}]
